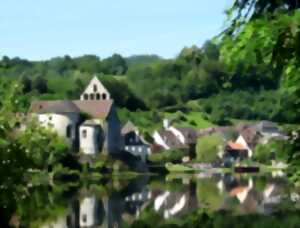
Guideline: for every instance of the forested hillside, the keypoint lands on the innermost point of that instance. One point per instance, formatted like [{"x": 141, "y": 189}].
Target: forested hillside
[{"x": 217, "y": 87}]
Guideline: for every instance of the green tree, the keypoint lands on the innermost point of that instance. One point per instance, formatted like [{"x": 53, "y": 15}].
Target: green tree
[
  {"x": 40, "y": 84},
  {"x": 115, "y": 65}
]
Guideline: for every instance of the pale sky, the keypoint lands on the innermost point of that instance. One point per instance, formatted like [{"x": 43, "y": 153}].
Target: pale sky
[{"x": 41, "y": 29}]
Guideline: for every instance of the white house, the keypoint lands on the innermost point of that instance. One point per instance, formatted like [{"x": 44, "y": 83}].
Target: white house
[
  {"x": 95, "y": 91},
  {"x": 134, "y": 143},
  {"x": 248, "y": 138},
  {"x": 92, "y": 124},
  {"x": 176, "y": 138}
]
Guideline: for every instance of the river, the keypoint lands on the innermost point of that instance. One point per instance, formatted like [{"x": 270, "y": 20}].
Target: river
[{"x": 119, "y": 202}]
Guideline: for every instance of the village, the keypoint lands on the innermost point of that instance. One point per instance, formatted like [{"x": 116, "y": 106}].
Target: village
[{"x": 91, "y": 126}]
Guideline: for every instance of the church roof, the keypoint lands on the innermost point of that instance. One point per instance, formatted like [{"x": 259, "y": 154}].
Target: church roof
[
  {"x": 60, "y": 106},
  {"x": 98, "y": 109},
  {"x": 95, "y": 108}
]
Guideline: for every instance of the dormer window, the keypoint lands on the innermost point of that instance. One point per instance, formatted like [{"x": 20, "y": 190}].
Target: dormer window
[
  {"x": 85, "y": 96},
  {"x": 92, "y": 96},
  {"x": 104, "y": 96},
  {"x": 95, "y": 88},
  {"x": 98, "y": 97}
]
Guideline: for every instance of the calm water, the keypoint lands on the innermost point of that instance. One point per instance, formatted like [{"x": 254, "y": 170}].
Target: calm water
[{"x": 118, "y": 202}]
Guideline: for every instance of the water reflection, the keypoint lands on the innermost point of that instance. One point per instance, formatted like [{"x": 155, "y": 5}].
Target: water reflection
[{"x": 174, "y": 198}]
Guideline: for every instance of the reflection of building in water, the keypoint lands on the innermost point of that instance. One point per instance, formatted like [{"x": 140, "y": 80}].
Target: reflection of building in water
[
  {"x": 250, "y": 197},
  {"x": 271, "y": 197},
  {"x": 61, "y": 222},
  {"x": 176, "y": 203},
  {"x": 70, "y": 219},
  {"x": 90, "y": 212},
  {"x": 136, "y": 201},
  {"x": 241, "y": 192}
]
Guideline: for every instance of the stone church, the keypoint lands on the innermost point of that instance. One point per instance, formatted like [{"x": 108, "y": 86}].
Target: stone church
[{"x": 90, "y": 125}]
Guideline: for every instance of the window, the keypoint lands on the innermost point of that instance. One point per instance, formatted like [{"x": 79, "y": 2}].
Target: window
[
  {"x": 92, "y": 96},
  {"x": 98, "y": 97},
  {"x": 84, "y": 218},
  {"x": 69, "y": 131},
  {"x": 84, "y": 134},
  {"x": 85, "y": 96},
  {"x": 95, "y": 88},
  {"x": 104, "y": 96}
]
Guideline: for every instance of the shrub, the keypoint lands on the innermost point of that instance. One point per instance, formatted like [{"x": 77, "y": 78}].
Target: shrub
[
  {"x": 167, "y": 156},
  {"x": 208, "y": 147}
]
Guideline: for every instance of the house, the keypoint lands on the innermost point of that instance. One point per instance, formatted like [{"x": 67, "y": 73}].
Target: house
[
  {"x": 189, "y": 137},
  {"x": 167, "y": 140},
  {"x": 234, "y": 150},
  {"x": 248, "y": 138},
  {"x": 268, "y": 128},
  {"x": 134, "y": 143},
  {"x": 176, "y": 138},
  {"x": 88, "y": 124}
]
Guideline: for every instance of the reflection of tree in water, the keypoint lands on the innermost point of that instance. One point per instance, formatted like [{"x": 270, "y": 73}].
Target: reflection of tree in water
[{"x": 109, "y": 207}]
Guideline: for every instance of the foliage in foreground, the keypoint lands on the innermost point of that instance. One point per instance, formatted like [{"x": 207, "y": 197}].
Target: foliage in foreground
[
  {"x": 200, "y": 218},
  {"x": 22, "y": 150}
]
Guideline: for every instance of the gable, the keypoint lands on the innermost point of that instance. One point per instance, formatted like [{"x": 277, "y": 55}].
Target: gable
[
  {"x": 95, "y": 91},
  {"x": 240, "y": 140}
]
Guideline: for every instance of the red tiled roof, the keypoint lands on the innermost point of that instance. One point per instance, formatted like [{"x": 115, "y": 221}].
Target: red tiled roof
[
  {"x": 236, "y": 146},
  {"x": 237, "y": 190}
]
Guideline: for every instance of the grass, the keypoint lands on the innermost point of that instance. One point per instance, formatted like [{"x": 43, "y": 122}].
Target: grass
[
  {"x": 193, "y": 119},
  {"x": 178, "y": 168}
]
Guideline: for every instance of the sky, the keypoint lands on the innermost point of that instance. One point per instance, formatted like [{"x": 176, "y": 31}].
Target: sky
[{"x": 41, "y": 29}]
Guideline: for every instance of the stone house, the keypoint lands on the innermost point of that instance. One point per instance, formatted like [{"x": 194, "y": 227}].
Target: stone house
[
  {"x": 89, "y": 124},
  {"x": 134, "y": 142},
  {"x": 176, "y": 138}
]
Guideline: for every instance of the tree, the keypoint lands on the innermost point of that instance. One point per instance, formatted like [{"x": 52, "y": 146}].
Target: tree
[
  {"x": 40, "y": 84},
  {"x": 27, "y": 84},
  {"x": 267, "y": 32},
  {"x": 115, "y": 65}
]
